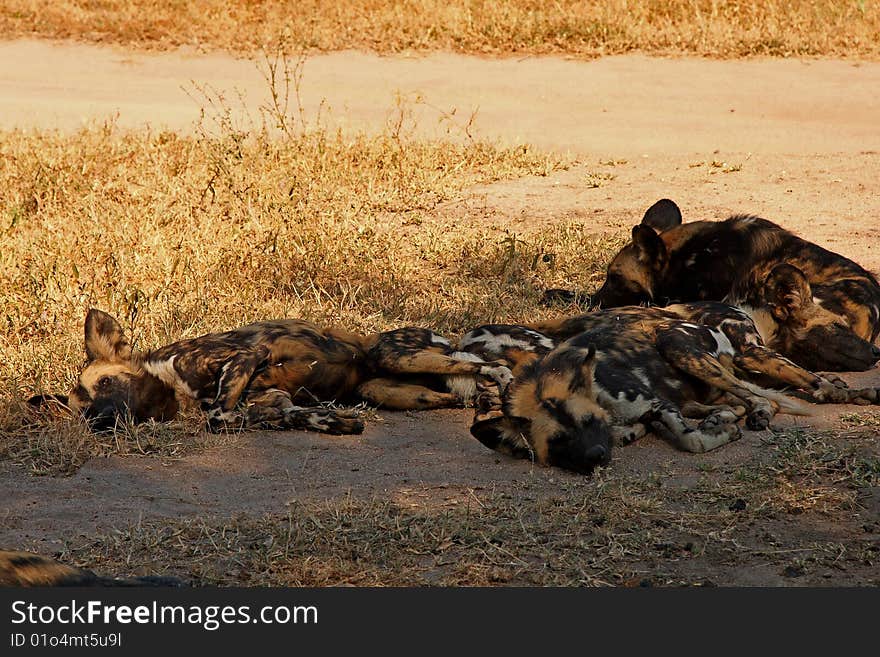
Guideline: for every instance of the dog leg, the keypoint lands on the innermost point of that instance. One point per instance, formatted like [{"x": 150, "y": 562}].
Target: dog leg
[
  {"x": 234, "y": 377},
  {"x": 677, "y": 347},
  {"x": 823, "y": 389},
  {"x": 716, "y": 430},
  {"x": 430, "y": 362},
  {"x": 399, "y": 396},
  {"x": 274, "y": 409}
]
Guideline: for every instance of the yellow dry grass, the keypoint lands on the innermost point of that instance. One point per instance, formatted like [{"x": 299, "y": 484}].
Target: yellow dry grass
[{"x": 715, "y": 28}]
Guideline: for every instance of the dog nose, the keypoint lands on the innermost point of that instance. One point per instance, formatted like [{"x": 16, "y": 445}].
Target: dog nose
[{"x": 596, "y": 454}]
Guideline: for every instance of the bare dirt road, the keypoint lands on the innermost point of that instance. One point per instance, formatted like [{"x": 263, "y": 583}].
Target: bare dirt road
[
  {"x": 629, "y": 105},
  {"x": 797, "y": 142}
]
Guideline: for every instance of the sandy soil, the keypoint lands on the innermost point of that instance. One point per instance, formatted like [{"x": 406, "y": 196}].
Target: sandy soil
[{"x": 797, "y": 142}]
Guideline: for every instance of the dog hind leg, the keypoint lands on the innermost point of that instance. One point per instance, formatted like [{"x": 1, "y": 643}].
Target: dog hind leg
[{"x": 401, "y": 396}]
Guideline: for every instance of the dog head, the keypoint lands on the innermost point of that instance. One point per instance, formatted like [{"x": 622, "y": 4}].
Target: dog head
[
  {"x": 636, "y": 271},
  {"x": 113, "y": 385},
  {"x": 812, "y": 336},
  {"x": 550, "y": 414}
]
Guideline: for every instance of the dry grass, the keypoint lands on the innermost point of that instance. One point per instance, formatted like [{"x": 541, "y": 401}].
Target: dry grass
[
  {"x": 785, "y": 512},
  {"x": 716, "y": 28},
  {"x": 179, "y": 236}
]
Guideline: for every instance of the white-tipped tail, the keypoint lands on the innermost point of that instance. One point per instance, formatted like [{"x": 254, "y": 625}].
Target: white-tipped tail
[{"x": 785, "y": 403}]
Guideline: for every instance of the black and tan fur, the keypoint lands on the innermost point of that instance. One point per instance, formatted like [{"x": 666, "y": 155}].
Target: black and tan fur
[
  {"x": 25, "y": 569},
  {"x": 742, "y": 261},
  {"x": 652, "y": 368},
  {"x": 261, "y": 374}
]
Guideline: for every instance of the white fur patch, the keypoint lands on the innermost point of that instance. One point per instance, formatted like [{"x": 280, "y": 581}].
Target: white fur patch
[
  {"x": 722, "y": 342},
  {"x": 623, "y": 410},
  {"x": 642, "y": 376},
  {"x": 496, "y": 343},
  {"x": 439, "y": 339},
  {"x": 165, "y": 372},
  {"x": 463, "y": 386}
]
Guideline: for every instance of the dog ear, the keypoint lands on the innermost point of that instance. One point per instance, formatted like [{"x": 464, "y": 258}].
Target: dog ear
[
  {"x": 650, "y": 248},
  {"x": 104, "y": 338},
  {"x": 588, "y": 365},
  {"x": 787, "y": 291},
  {"x": 43, "y": 402},
  {"x": 662, "y": 216},
  {"x": 504, "y": 434}
]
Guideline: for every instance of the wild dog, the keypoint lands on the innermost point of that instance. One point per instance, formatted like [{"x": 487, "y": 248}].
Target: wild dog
[
  {"x": 27, "y": 569},
  {"x": 633, "y": 383},
  {"x": 258, "y": 375},
  {"x": 738, "y": 261},
  {"x": 653, "y": 368}
]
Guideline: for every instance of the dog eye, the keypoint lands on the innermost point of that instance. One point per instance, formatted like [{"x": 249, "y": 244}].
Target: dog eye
[
  {"x": 551, "y": 404},
  {"x": 104, "y": 381}
]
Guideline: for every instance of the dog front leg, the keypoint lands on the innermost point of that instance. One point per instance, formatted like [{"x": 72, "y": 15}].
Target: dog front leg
[
  {"x": 274, "y": 409},
  {"x": 232, "y": 381},
  {"x": 678, "y": 349},
  {"x": 823, "y": 389},
  {"x": 717, "y": 429}
]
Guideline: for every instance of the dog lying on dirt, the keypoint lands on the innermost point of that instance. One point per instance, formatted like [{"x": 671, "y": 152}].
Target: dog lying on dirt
[
  {"x": 28, "y": 569},
  {"x": 258, "y": 375},
  {"x": 636, "y": 368},
  {"x": 740, "y": 261}
]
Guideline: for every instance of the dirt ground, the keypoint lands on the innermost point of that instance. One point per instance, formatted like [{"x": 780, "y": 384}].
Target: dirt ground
[{"x": 796, "y": 142}]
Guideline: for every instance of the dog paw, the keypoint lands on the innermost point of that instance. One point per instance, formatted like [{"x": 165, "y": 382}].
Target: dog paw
[
  {"x": 337, "y": 423},
  {"x": 499, "y": 373},
  {"x": 834, "y": 380},
  {"x": 758, "y": 419},
  {"x": 828, "y": 392},
  {"x": 219, "y": 420},
  {"x": 709, "y": 436},
  {"x": 864, "y": 396},
  {"x": 557, "y": 295},
  {"x": 719, "y": 417},
  {"x": 624, "y": 435}
]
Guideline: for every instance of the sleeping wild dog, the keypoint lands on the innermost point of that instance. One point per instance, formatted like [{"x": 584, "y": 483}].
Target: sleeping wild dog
[
  {"x": 651, "y": 368},
  {"x": 258, "y": 375},
  {"x": 750, "y": 262}
]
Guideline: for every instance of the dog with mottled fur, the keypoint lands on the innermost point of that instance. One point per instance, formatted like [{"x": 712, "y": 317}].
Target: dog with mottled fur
[
  {"x": 262, "y": 375},
  {"x": 649, "y": 368},
  {"x": 751, "y": 263}
]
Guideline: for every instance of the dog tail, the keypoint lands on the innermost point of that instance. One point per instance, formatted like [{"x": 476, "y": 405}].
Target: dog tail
[{"x": 785, "y": 403}]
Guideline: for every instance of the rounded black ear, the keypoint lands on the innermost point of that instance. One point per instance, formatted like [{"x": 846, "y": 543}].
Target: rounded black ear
[
  {"x": 787, "y": 291},
  {"x": 503, "y": 434},
  {"x": 662, "y": 216},
  {"x": 47, "y": 401}
]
